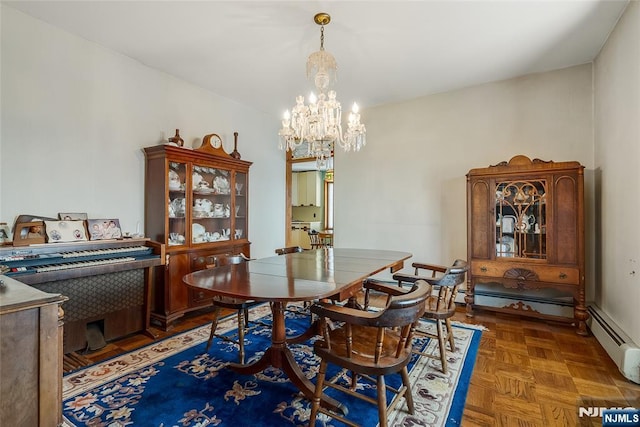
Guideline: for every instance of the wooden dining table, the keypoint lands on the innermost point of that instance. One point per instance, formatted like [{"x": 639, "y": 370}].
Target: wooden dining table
[{"x": 335, "y": 273}]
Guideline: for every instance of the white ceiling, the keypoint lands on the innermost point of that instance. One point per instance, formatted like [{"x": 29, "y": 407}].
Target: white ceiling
[{"x": 387, "y": 51}]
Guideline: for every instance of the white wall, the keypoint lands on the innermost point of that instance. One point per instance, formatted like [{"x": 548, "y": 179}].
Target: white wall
[
  {"x": 76, "y": 115},
  {"x": 406, "y": 189},
  {"x": 617, "y": 153}
]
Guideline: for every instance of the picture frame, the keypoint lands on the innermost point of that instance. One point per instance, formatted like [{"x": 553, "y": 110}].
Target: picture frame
[
  {"x": 65, "y": 231},
  {"x": 104, "y": 229},
  {"x": 29, "y": 233},
  {"x": 5, "y": 234},
  {"x": 72, "y": 216}
]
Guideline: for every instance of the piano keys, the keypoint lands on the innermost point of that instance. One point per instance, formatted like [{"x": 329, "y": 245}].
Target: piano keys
[{"x": 108, "y": 283}]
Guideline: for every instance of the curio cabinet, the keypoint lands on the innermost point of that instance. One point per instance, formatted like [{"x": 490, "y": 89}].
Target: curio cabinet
[
  {"x": 525, "y": 232},
  {"x": 196, "y": 202}
]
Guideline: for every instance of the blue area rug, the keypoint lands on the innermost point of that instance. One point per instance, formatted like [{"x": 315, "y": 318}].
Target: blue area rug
[{"x": 173, "y": 382}]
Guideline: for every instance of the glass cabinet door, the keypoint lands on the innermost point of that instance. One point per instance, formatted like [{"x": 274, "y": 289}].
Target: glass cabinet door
[
  {"x": 240, "y": 208},
  {"x": 177, "y": 204},
  {"x": 521, "y": 219},
  {"x": 211, "y": 210}
]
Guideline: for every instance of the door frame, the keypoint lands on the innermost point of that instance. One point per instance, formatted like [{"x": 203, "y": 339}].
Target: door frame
[{"x": 288, "y": 208}]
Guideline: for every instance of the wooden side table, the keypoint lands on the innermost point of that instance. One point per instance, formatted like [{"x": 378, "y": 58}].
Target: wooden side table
[{"x": 31, "y": 354}]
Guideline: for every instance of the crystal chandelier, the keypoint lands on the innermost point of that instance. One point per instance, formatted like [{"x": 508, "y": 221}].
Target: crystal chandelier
[{"x": 319, "y": 124}]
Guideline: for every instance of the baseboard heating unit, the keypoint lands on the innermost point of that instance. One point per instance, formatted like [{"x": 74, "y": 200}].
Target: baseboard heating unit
[{"x": 624, "y": 352}]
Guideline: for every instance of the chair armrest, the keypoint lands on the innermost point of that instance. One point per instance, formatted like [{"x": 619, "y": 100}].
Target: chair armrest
[
  {"x": 411, "y": 278},
  {"x": 432, "y": 267},
  {"x": 384, "y": 287},
  {"x": 340, "y": 313}
]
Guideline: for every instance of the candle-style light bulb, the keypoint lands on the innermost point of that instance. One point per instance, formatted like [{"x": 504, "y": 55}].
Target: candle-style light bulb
[{"x": 286, "y": 119}]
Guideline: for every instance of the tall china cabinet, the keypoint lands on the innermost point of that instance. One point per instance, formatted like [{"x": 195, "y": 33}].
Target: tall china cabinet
[
  {"x": 196, "y": 202},
  {"x": 525, "y": 235}
]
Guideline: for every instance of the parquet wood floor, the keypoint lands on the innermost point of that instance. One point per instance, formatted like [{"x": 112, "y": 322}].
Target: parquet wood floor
[
  {"x": 535, "y": 373},
  {"x": 527, "y": 373}
]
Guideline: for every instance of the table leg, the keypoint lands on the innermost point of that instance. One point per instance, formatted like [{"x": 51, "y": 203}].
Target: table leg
[{"x": 280, "y": 356}]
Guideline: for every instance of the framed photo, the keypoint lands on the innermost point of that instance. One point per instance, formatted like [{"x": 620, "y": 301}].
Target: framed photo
[
  {"x": 103, "y": 229},
  {"x": 75, "y": 216},
  {"x": 65, "y": 231},
  {"x": 5, "y": 234},
  {"x": 29, "y": 233}
]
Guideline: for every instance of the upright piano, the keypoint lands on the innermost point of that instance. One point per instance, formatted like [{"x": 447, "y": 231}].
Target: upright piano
[{"x": 107, "y": 283}]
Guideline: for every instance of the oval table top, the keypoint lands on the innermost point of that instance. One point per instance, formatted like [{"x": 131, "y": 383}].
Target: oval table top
[{"x": 302, "y": 276}]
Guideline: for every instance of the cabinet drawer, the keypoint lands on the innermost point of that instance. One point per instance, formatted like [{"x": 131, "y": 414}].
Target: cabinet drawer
[
  {"x": 526, "y": 271},
  {"x": 202, "y": 261}
]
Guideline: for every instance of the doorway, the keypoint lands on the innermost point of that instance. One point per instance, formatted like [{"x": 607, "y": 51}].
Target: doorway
[{"x": 309, "y": 200}]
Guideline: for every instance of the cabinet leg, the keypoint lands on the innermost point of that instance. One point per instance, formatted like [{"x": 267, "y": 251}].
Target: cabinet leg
[
  {"x": 582, "y": 329},
  {"x": 581, "y": 315},
  {"x": 469, "y": 299}
]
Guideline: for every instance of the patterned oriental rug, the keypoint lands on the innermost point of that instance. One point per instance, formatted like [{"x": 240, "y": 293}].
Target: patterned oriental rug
[{"x": 174, "y": 382}]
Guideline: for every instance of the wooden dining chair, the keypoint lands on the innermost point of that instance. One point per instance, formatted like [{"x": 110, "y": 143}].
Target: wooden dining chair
[
  {"x": 441, "y": 304},
  {"x": 370, "y": 345},
  {"x": 240, "y": 306},
  {"x": 316, "y": 241},
  {"x": 288, "y": 250},
  {"x": 327, "y": 237}
]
